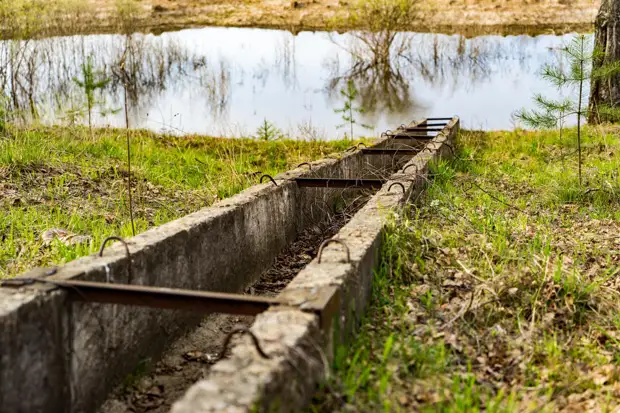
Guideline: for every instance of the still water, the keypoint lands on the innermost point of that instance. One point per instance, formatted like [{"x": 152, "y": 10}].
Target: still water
[{"x": 227, "y": 81}]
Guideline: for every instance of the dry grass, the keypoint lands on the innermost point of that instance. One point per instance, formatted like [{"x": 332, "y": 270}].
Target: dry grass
[
  {"x": 468, "y": 17},
  {"x": 323, "y": 14}
]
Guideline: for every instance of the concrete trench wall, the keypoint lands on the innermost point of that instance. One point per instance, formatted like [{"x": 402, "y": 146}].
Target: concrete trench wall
[
  {"x": 299, "y": 348},
  {"x": 59, "y": 356}
]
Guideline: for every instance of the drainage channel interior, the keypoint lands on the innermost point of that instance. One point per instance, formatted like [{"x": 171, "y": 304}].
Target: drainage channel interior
[{"x": 153, "y": 387}]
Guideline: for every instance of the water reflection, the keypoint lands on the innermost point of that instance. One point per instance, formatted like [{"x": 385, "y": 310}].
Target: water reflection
[
  {"x": 378, "y": 65},
  {"x": 227, "y": 81},
  {"x": 472, "y": 60}
]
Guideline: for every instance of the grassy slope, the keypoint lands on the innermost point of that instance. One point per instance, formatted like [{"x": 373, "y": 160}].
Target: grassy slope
[
  {"x": 500, "y": 293},
  {"x": 63, "y": 178}
]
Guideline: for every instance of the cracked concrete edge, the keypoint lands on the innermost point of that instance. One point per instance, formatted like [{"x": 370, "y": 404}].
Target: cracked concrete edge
[
  {"x": 62, "y": 356},
  {"x": 301, "y": 350}
]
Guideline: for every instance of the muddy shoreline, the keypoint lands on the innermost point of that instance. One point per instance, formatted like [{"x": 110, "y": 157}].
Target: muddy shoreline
[{"x": 467, "y": 31}]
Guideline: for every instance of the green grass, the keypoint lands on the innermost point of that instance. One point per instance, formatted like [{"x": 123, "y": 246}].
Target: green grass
[
  {"x": 499, "y": 292},
  {"x": 64, "y": 178}
]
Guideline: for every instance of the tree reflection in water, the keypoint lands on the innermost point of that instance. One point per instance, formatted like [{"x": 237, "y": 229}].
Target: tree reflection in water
[
  {"x": 210, "y": 80},
  {"x": 378, "y": 64},
  {"x": 36, "y": 77},
  {"x": 384, "y": 68}
]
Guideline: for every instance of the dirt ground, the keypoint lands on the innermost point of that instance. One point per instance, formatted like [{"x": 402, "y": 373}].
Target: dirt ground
[{"x": 452, "y": 16}]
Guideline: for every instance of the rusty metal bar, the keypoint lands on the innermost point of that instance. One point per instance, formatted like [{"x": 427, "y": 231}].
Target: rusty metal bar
[
  {"x": 242, "y": 330},
  {"x": 340, "y": 183},
  {"x": 384, "y": 151},
  {"x": 399, "y": 184},
  {"x": 425, "y": 125},
  {"x": 423, "y": 129},
  {"x": 270, "y": 178},
  {"x": 415, "y": 135},
  {"x": 169, "y": 298},
  {"x": 439, "y": 119},
  {"x": 332, "y": 241},
  {"x": 122, "y": 241}
]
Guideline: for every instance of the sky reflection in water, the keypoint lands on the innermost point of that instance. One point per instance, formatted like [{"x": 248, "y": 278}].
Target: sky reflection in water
[{"x": 226, "y": 81}]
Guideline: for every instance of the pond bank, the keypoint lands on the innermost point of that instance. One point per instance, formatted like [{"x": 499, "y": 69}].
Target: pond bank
[{"x": 466, "y": 17}]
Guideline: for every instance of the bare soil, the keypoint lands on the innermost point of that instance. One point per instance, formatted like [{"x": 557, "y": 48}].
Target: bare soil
[{"x": 467, "y": 17}]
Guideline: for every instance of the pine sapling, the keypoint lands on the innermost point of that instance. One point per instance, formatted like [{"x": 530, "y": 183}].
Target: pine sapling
[
  {"x": 552, "y": 113},
  {"x": 267, "y": 131},
  {"x": 90, "y": 83},
  {"x": 349, "y": 111}
]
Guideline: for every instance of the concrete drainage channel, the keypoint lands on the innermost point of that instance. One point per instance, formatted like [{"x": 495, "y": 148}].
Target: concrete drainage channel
[
  {"x": 70, "y": 334},
  {"x": 189, "y": 358}
]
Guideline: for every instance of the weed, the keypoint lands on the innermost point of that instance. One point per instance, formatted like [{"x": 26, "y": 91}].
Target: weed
[
  {"x": 25, "y": 19},
  {"x": 127, "y": 13},
  {"x": 382, "y": 17},
  {"x": 307, "y": 131},
  {"x": 3, "y": 115}
]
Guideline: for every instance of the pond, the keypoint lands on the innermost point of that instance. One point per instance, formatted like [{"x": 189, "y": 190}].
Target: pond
[{"x": 229, "y": 81}]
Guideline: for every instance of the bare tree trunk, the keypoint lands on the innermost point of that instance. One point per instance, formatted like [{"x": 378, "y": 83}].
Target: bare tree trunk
[
  {"x": 580, "y": 114},
  {"x": 607, "y": 40}
]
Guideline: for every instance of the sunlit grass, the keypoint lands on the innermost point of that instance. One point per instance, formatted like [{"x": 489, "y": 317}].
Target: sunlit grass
[
  {"x": 499, "y": 292},
  {"x": 64, "y": 178}
]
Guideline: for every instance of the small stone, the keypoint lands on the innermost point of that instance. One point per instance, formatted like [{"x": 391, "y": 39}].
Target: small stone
[{"x": 63, "y": 236}]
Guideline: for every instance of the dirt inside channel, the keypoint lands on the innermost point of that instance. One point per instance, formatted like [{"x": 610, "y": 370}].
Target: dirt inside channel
[{"x": 154, "y": 387}]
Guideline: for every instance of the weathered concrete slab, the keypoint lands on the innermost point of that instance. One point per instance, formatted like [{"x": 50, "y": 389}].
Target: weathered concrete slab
[
  {"x": 31, "y": 331},
  {"x": 247, "y": 383}
]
